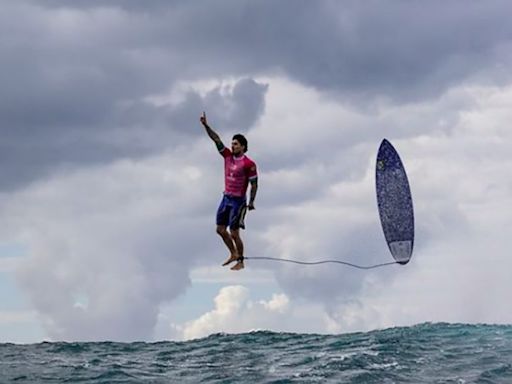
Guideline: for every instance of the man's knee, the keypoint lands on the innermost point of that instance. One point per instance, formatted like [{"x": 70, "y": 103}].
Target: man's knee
[{"x": 221, "y": 230}]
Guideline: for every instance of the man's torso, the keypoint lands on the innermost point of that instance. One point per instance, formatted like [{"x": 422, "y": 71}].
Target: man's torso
[{"x": 237, "y": 173}]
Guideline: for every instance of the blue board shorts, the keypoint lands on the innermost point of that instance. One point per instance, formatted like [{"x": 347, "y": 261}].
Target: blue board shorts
[{"x": 231, "y": 211}]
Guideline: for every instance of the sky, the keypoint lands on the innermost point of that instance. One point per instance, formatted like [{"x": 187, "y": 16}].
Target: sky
[{"x": 109, "y": 184}]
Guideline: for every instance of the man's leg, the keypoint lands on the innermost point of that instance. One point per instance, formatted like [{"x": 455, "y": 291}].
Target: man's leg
[
  {"x": 228, "y": 240},
  {"x": 235, "y": 235}
]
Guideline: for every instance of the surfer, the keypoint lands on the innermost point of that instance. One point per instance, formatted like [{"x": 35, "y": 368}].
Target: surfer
[{"x": 239, "y": 171}]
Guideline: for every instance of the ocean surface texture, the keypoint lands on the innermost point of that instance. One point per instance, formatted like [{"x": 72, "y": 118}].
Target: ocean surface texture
[{"x": 426, "y": 353}]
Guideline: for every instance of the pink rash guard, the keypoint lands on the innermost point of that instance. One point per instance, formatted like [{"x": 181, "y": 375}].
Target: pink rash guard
[{"x": 238, "y": 171}]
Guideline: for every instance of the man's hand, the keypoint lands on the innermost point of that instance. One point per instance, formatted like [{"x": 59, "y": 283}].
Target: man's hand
[
  {"x": 251, "y": 206},
  {"x": 202, "y": 119}
]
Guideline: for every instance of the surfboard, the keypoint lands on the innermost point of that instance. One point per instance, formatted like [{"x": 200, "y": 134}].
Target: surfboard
[{"x": 394, "y": 201}]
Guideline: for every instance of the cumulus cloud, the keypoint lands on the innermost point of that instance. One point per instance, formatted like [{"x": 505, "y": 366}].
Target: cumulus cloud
[
  {"x": 84, "y": 70},
  {"x": 399, "y": 50},
  {"x": 133, "y": 242},
  {"x": 458, "y": 175},
  {"x": 100, "y": 265},
  {"x": 106, "y": 179},
  {"x": 235, "y": 312},
  {"x": 108, "y": 244},
  {"x": 81, "y": 90}
]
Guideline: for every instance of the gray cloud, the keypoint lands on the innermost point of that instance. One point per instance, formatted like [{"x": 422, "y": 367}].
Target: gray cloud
[
  {"x": 130, "y": 129},
  {"x": 102, "y": 262},
  {"x": 75, "y": 76},
  {"x": 75, "y": 83},
  {"x": 79, "y": 80},
  {"x": 396, "y": 49}
]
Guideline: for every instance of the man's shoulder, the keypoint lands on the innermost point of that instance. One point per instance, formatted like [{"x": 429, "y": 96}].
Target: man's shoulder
[
  {"x": 225, "y": 151},
  {"x": 249, "y": 161},
  {"x": 250, "y": 167}
]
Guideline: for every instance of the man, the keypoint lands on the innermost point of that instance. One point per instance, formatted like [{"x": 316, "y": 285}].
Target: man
[{"x": 239, "y": 171}]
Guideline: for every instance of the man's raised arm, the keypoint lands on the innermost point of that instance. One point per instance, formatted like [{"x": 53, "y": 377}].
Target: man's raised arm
[{"x": 213, "y": 135}]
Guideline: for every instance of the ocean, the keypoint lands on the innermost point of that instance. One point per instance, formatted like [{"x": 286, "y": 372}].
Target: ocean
[{"x": 425, "y": 353}]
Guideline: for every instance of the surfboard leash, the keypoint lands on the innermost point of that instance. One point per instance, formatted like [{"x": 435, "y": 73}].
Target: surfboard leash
[{"x": 322, "y": 262}]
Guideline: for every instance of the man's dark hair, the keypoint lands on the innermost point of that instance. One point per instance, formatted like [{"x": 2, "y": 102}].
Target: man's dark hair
[{"x": 242, "y": 140}]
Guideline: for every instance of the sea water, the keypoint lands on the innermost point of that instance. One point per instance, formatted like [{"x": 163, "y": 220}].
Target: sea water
[{"x": 425, "y": 353}]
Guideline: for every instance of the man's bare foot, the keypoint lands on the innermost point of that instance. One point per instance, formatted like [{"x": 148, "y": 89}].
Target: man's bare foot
[
  {"x": 238, "y": 266},
  {"x": 230, "y": 259}
]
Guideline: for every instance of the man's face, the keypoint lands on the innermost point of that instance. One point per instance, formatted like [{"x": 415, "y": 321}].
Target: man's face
[{"x": 237, "y": 148}]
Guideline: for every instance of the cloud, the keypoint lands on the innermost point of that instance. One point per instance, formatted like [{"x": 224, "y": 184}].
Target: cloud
[
  {"x": 457, "y": 280},
  {"x": 461, "y": 197},
  {"x": 83, "y": 71},
  {"x": 108, "y": 244},
  {"x": 461, "y": 137},
  {"x": 133, "y": 129},
  {"x": 107, "y": 181},
  {"x": 401, "y": 51},
  {"x": 81, "y": 90},
  {"x": 11, "y": 317},
  {"x": 103, "y": 263},
  {"x": 100, "y": 266},
  {"x": 9, "y": 264},
  {"x": 235, "y": 312}
]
